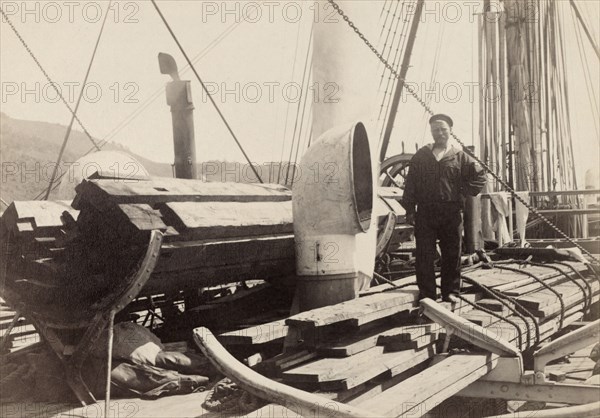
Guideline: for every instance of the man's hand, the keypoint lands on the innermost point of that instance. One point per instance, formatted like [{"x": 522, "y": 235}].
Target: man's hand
[{"x": 410, "y": 219}]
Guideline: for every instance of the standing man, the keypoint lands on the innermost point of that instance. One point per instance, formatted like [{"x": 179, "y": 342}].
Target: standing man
[{"x": 439, "y": 178}]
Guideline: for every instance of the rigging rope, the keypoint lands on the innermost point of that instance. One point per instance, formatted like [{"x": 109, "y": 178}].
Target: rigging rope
[
  {"x": 157, "y": 93},
  {"x": 587, "y": 296},
  {"x": 386, "y": 16},
  {"x": 287, "y": 112},
  {"x": 540, "y": 281},
  {"x": 392, "y": 82},
  {"x": 588, "y": 78},
  {"x": 212, "y": 100},
  {"x": 387, "y": 99},
  {"x": 301, "y": 123},
  {"x": 499, "y": 296},
  {"x": 85, "y": 78},
  {"x": 387, "y": 37},
  {"x": 137, "y": 112},
  {"x": 434, "y": 70},
  {"x": 52, "y": 83},
  {"x": 466, "y": 150},
  {"x": 304, "y": 72}
]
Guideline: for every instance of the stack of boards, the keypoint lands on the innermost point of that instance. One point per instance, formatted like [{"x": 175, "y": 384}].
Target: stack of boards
[
  {"x": 369, "y": 352},
  {"x": 215, "y": 233}
]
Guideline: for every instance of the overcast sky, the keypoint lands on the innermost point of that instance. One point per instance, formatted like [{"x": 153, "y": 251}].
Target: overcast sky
[{"x": 248, "y": 49}]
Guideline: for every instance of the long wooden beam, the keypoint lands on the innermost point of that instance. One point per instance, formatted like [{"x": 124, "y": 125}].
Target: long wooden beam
[
  {"x": 550, "y": 392},
  {"x": 420, "y": 393}
]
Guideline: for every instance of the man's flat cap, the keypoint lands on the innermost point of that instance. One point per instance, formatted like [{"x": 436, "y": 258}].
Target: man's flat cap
[{"x": 441, "y": 117}]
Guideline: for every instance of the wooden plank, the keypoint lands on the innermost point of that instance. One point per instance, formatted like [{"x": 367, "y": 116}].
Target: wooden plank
[
  {"x": 420, "y": 393},
  {"x": 323, "y": 369},
  {"x": 275, "y": 366},
  {"x": 383, "y": 366},
  {"x": 19, "y": 331},
  {"x": 104, "y": 193},
  {"x": 496, "y": 306},
  {"x": 205, "y": 220},
  {"x": 265, "y": 388},
  {"x": 374, "y": 387},
  {"x": 497, "y": 277},
  {"x": 358, "y": 311},
  {"x": 355, "y": 343},
  {"x": 396, "y": 338},
  {"x": 206, "y": 263},
  {"x": 371, "y": 335},
  {"x": 201, "y": 254},
  {"x": 575, "y": 298},
  {"x": 408, "y": 333},
  {"x": 415, "y": 343},
  {"x": 142, "y": 217},
  {"x": 534, "y": 286},
  {"x": 260, "y": 334},
  {"x": 545, "y": 297},
  {"x": 41, "y": 216},
  {"x": 480, "y": 318}
]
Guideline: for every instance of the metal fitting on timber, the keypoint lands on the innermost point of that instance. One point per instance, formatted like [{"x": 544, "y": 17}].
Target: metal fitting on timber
[{"x": 332, "y": 205}]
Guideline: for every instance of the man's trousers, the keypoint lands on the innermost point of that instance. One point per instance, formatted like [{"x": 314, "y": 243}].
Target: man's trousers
[{"x": 443, "y": 222}]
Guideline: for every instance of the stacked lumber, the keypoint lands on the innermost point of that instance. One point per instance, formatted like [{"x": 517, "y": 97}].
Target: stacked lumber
[
  {"x": 370, "y": 352},
  {"x": 34, "y": 229},
  {"x": 15, "y": 331},
  {"x": 215, "y": 233}
]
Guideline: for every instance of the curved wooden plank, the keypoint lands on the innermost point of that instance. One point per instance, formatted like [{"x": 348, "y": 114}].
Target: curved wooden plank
[
  {"x": 258, "y": 385},
  {"x": 467, "y": 330}
]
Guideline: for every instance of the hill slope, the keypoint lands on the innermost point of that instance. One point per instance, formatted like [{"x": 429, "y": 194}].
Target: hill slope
[{"x": 28, "y": 152}]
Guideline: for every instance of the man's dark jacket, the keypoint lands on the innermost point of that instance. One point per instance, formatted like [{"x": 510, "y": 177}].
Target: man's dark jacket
[{"x": 451, "y": 179}]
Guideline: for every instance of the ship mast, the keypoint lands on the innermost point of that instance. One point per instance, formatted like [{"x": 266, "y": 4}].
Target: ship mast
[{"x": 400, "y": 84}]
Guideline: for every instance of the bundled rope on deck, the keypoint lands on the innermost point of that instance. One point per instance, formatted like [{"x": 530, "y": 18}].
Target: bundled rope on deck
[{"x": 227, "y": 397}]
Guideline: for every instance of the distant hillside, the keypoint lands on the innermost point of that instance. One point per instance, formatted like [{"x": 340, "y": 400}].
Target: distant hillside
[{"x": 28, "y": 152}]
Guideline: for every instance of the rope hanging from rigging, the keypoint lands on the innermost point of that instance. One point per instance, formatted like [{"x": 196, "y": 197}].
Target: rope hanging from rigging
[
  {"x": 52, "y": 83},
  {"x": 412, "y": 92},
  {"x": 287, "y": 111},
  {"x": 85, "y": 78},
  {"x": 129, "y": 118},
  {"x": 304, "y": 79}
]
